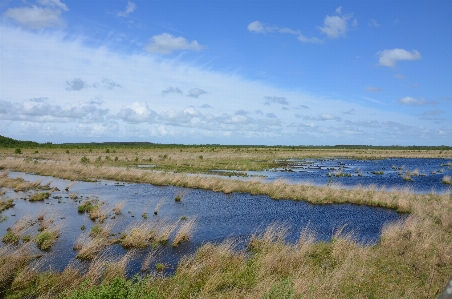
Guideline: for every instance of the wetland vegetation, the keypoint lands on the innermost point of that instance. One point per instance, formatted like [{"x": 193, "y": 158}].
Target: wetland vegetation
[{"x": 412, "y": 258}]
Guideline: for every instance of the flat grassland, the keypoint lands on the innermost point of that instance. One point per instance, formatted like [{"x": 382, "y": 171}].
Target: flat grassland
[{"x": 412, "y": 260}]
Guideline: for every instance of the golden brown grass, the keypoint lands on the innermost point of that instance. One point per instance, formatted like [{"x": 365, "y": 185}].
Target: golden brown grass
[{"x": 185, "y": 232}]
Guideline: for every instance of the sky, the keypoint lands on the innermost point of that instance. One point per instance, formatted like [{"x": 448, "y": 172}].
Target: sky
[{"x": 227, "y": 71}]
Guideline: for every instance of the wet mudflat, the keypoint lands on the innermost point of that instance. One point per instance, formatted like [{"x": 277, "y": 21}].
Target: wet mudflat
[{"x": 218, "y": 216}]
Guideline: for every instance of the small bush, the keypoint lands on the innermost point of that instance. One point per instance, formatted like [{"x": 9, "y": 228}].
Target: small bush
[
  {"x": 84, "y": 160},
  {"x": 18, "y": 151},
  {"x": 107, "y": 151}
]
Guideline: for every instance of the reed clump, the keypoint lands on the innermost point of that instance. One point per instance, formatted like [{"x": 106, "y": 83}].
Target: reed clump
[
  {"x": 185, "y": 232},
  {"x": 41, "y": 196},
  {"x": 6, "y": 204}
]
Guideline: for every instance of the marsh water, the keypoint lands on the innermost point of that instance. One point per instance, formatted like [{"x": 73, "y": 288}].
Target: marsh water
[
  {"x": 425, "y": 174},
  {"x": 219, "y": 217}
]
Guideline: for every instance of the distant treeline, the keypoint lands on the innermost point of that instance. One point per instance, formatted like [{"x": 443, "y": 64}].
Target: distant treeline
[{"x": 6, "y": 142}]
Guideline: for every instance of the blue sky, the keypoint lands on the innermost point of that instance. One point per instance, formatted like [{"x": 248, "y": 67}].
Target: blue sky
[{"x": 228, "y": 72}]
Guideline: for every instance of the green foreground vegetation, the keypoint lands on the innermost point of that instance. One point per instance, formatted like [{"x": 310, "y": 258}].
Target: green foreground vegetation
[{"x": 412, "y": 260}]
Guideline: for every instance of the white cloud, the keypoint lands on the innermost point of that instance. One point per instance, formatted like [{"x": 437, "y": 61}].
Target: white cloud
[
  {"x": 54, "y": 3},
  {"x": 196, "y": 92},
  {"x": 399, "y": 76},
  {"x": 42, "y": 110},
  {"x": 412, "y": 101},
  {"x": 137, "y": 112},
  {"x": 373, "y": 23},
  {"x": 351, "y": 111},
  {"x": 205, "y": 106},
  {"x": 129, "y": 9},
  {"x": 35, "y": 17},
  {"x": 166, "y": 43},
  {"x": 256, "y": 26},
  {"x": 339, "y": 10},
  {"x": 390, "y": 57},
  {"x": 335, "y": 26}
]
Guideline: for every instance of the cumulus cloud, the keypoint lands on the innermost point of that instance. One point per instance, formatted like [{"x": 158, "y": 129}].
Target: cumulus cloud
[
  {"x": 351, "y": 111},
  {"x": 205, "y": 106},
  {"x": 36, "y": 17},
  {"x": 129, "y": 9},
  {"x": 166, "y": 43},
  {"x": 136, "y": 113},
  {"x": 389, "y": 58},
  {"x": 258, "y": 27},
  {"x": 276, "y": 100},
  {"x": 196, "y": 92},
  {"x": 171, "y": 90},
  {"x": 373, "y": 23},
  {"x": 335, "y": 26},
  {"x": 76, "y": 84},
  {"x": 320, "y": 117},
  {"x": 42, "y": 110},
  {"x": 302, "y": 107},
  {"x": 373, "y": 89}
]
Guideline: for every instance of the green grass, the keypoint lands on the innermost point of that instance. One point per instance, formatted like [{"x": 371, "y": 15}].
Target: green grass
[
  {"x": 46, "y": 239},
  {"x": 10, "y": 238}
]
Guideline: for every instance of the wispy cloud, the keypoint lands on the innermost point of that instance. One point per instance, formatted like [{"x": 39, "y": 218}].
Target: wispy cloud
[
  {"x": 389, "y": 58},
  {"x": 258, "y": 27},
  {"x": 373, "y": 23},
  {"x": 374, "y": 89},
  {"x": 131, "y": 6},
  {"x": 166, "y": 43},
  {"x": 415, "y": 102}
]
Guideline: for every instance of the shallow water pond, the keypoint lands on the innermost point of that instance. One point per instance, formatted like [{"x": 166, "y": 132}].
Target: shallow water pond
[{"x": 219, "y": 216}]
